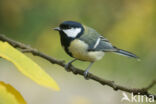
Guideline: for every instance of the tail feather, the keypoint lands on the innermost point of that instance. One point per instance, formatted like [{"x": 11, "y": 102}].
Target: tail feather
[{"x": 126, "y": 53}]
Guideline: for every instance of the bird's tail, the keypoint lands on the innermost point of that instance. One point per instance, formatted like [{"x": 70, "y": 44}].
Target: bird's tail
[{"x": 126, "y": 53}]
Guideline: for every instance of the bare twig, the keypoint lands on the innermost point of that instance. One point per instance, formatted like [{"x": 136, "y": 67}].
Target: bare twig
[{"x": 25, "y": 48}]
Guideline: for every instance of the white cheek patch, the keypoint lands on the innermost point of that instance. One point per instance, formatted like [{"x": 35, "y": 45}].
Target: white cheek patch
[{"x": 73, "y": 32}]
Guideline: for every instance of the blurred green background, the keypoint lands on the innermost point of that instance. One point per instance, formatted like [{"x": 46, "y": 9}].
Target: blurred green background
[{"x": 128, "y": 24}]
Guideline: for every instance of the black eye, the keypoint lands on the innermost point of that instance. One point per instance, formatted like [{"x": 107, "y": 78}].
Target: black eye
[
  {"x": 65, "y": 27},
  {"x": 69, "y": 27}
]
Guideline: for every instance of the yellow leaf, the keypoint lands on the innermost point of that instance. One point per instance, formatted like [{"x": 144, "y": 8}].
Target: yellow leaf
[
  {"x": 9, "y": 95},
  {"x": 26, "y": 66}
]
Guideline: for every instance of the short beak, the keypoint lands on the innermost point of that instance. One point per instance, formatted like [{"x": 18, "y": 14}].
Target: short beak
[{"x": 57, "y": 28}]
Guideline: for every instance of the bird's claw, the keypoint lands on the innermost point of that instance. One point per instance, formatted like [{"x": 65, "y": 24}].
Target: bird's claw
[
  {"x": 86, "y": 75},
  {"x": 67, "y": 66}
]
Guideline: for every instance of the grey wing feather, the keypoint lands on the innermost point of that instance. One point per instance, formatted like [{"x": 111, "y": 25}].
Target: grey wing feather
[
  {"x": 105, "y": 46},
  {"x": 91, "y": 36}
]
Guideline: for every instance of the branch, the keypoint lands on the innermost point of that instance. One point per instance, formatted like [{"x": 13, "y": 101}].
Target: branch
[{"x": 25, "y": 48}]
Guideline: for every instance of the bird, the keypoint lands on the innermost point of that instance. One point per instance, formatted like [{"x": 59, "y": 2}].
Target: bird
[{"x": 85, "y": 44}]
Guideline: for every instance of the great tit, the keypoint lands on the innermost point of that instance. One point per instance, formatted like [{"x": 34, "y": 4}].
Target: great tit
[{"x": 84, "y": 43}]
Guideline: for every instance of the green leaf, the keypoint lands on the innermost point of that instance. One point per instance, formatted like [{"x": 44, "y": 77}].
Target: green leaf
[{"x": 26, "y": 66}]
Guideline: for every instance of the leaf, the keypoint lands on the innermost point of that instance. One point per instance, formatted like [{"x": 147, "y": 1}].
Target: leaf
[
  {"x": 26, "y": 66},
  {"x": 9, "y": 95}
]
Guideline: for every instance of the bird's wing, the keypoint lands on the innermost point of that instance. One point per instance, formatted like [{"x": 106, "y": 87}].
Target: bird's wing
[
  {"x": 96, "y": 42},
  {"x": 102, "y": 44}
]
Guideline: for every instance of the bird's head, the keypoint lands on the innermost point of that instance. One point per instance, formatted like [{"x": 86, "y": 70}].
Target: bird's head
[{"x": 70, "y": 28}]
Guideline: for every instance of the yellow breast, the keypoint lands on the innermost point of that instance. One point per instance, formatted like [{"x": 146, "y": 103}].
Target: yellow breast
[{"x": 79, "y": 49}]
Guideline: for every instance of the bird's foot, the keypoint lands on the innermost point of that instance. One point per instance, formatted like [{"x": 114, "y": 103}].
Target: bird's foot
[
  {"x": 86, "y": 75},
  {"x": 86, "y": 71},
  {"x": 67, "y": 66}
]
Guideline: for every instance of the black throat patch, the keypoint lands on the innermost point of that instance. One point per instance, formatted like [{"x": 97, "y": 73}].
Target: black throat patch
[{"x": 65, "y": 42}]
